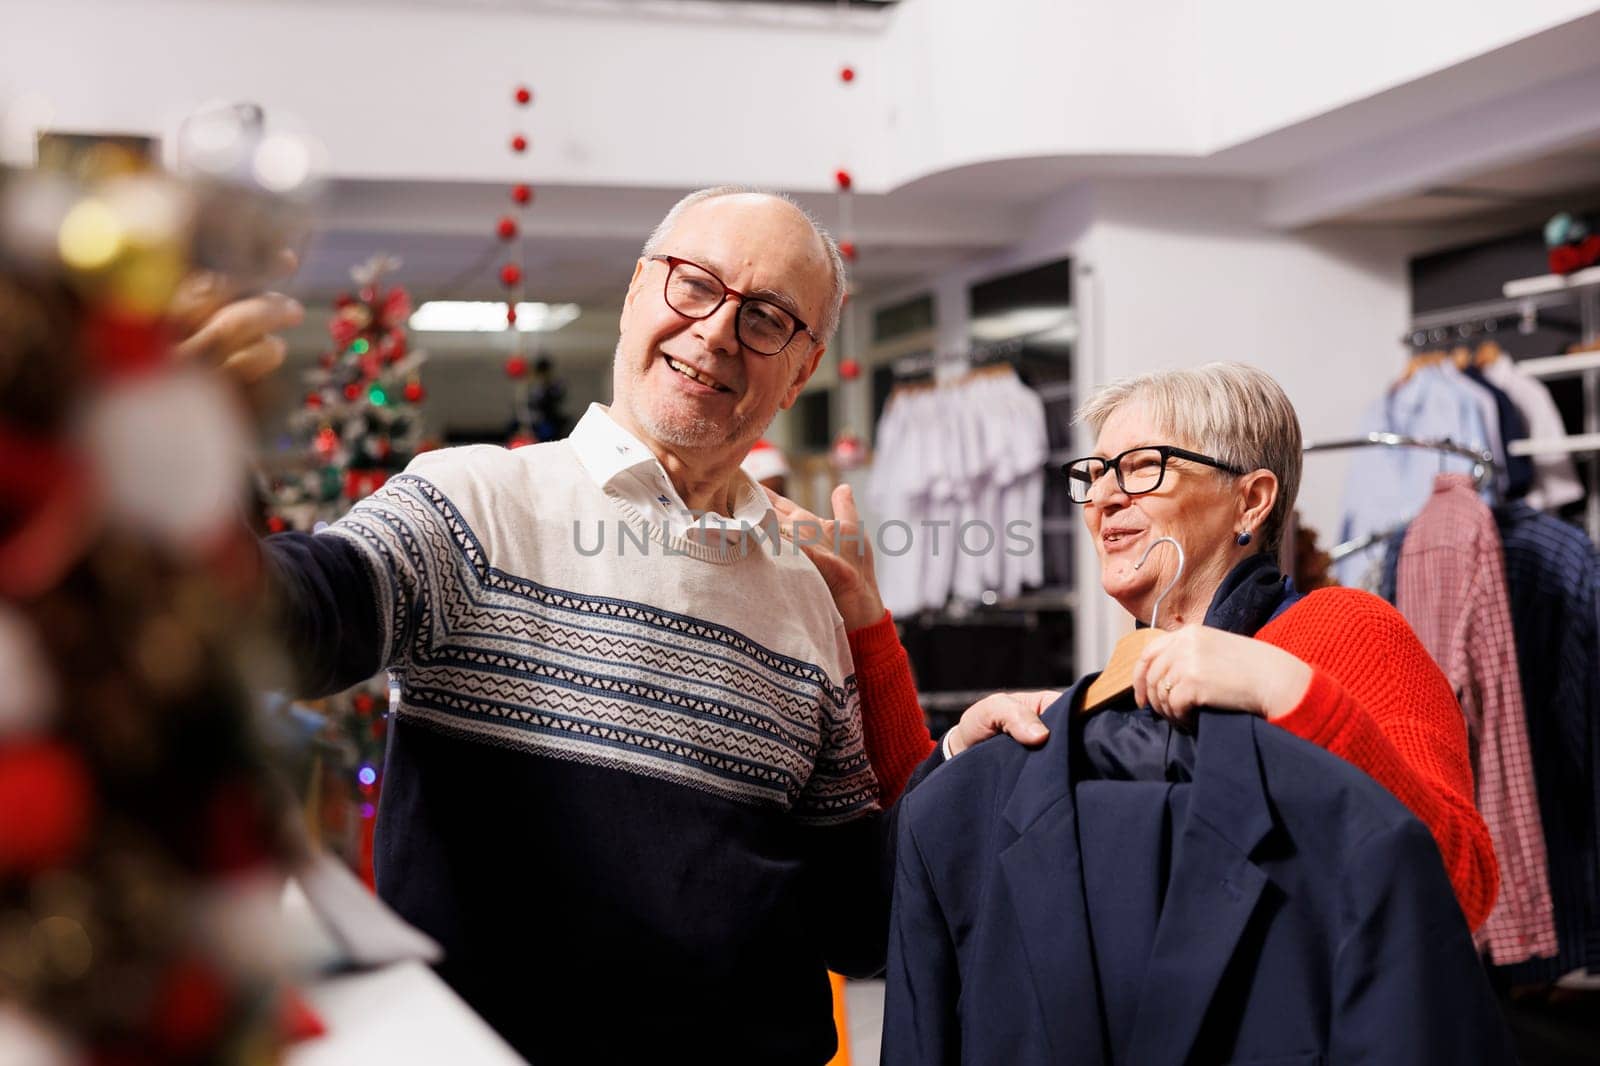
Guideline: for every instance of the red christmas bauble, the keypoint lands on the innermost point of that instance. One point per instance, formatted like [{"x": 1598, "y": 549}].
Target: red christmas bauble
[
  {"x": 46, "y": 794},
  {"x": 507, "y": 228},
  {"x": 352, "y": 391},
  {"x": 849, "y": 369},
  {"x": 313, "y": 400},
  {"x": 522, "y": 194},
  {"x": 516, "y": 367},
  {"x": 510, "y": 274},
  {"x": 511, "y": 314},
  {"x": 190, "y": 1006},
  {"x": 847, "y": 75},
  {"x": 326, "y": 441},
  {"x": 363, "y": 702},
  {"x": 276, "y": 524},
  {"x": 842, "y": 179},
  {"x": 519, "y": 143},
  {"x": 413, "y": 392},
  {"x": 848, "y": 250},
  {"x": 524, "y": 95}
]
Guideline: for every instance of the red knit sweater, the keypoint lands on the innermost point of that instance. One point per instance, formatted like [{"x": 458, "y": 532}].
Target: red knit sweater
[{"x": 1376, "y": 699}]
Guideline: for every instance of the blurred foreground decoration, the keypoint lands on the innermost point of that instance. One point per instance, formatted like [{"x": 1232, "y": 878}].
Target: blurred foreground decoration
[{"x": 142, "y": 840}]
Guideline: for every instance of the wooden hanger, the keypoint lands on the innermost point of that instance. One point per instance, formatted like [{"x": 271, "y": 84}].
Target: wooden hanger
[{"x": 1116, "y": 680}]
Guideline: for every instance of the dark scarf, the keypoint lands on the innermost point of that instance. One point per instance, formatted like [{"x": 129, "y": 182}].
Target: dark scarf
[{"x": 1128, "y": 743}]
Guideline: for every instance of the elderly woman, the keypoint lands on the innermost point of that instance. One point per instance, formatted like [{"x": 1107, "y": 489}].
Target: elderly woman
[{"x": 1211, "y": 457}]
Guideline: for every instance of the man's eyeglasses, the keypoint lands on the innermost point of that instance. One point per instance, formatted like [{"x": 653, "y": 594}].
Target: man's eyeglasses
[
  {"x": 1138, "y": 470},
  {"x": 761, "y": 325}
]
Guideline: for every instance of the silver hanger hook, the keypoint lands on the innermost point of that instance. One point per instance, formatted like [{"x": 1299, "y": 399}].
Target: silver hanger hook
[{"x": 1156, "y": 610}]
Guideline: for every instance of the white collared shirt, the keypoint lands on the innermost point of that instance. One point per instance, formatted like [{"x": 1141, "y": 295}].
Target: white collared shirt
[{"x": 619, "y": 462}]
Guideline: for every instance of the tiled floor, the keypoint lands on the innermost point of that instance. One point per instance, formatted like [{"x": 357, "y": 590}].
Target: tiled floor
[{"x": 864, "y": 1005}]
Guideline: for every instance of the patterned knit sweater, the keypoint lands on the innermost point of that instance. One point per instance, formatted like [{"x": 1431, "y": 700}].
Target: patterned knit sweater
[
  {"x": 1376, "y": 699},
  {"x": 626, "y": 786}
]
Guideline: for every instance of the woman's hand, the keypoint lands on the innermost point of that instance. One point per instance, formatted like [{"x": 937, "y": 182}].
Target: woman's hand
[
  {"x": 1198, "y": 666},
  {"x": 840, "y": 552}
]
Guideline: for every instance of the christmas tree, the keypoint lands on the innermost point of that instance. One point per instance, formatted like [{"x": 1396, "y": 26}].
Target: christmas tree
[
  {"x": 361, "y": 418},
  {"x": 142, "y": 836},
  {"x": 360, "y": 422}
]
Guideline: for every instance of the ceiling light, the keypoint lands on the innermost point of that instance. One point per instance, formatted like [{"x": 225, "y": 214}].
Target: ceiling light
[{"x": 477, "y": 316}]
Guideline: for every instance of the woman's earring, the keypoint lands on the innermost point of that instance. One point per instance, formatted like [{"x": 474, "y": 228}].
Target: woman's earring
[{"x": 1244, "y": 538}]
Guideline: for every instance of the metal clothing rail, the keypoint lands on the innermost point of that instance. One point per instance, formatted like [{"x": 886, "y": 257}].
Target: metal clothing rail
[{"x": 1483, "y": 468}]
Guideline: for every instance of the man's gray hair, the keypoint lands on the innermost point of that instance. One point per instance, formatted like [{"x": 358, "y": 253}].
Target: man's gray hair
[
  {"x": 1233, "y": 412},
  {"x": 836, "y": 276}
]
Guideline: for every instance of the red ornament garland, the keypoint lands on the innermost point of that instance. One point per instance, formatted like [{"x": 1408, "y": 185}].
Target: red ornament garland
[
  {"x": 522, "y": 194},
  {"x": 507, "y": 228},
  {"x": 523, "y": 95},
  {"x": 843, "y": 180},
  {"x": 510, "y": 275},
  {"x": 516, "y": 367},
  {"x": 519, "y": 143}
]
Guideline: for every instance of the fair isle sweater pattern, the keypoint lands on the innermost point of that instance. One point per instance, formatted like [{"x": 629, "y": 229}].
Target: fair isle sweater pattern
[{"x": 501, "y": 658}]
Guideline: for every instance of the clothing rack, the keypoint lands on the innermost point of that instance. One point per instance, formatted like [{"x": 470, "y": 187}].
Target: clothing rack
[{"x": 1482, "y": 470}]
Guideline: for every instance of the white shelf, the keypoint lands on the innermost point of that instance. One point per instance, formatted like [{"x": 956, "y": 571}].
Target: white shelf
[
  {"x": 1578, "y": 442},
  {"x": 1552, "y": 283},
  {"x": 1560, "y": 366}
]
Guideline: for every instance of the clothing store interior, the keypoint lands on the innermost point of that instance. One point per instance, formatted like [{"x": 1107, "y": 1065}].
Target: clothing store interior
[{"x": 693, "y": 436}]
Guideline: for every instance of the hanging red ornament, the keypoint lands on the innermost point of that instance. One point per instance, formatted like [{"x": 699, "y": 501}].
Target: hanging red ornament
[
  {"x": 516, "y": 367},
  {"x": 313, "y": 400},
  {"x": 522, "y": 194},
  {"x": 275, "y": 524},
  {"x": 510, "y": 274},
  {"x": 511, "y": 314},
  {"x": 842, "y": 179},
  {"x": 191, "y": 1005},
  {"x": 849, "y": 369},
  {"x": 326, "y": 442},
  {"x": 519, "y": 143},
  {"x": 847, "y": 75},
  {"x": 413, "y": 392},
  {"x": 848, "y": 250},
  {"x": 524, "y": 95},
  {"x": 507, "y": 228},
  {"x": 46, "y": 794},
  {"x": 352, "y": 391},
  {"x": 847, "y": 452}
]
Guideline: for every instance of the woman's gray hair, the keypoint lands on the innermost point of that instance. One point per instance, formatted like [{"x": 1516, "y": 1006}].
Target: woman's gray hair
[
  {"x": 1233, "y": 412},
  {"x": 836, "y": 276}
]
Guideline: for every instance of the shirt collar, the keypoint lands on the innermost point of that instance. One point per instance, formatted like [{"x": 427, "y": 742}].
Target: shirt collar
[{"x": 622, "y": 463}]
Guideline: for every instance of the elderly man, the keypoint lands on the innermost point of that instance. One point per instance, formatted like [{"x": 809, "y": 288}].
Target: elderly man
[{"x": 628, "y": 786}]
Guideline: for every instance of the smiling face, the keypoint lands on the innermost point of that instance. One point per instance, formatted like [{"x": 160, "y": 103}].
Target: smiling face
[
  {"x": 689, "y": 385},
  {"x": 1200, "y": 507}
]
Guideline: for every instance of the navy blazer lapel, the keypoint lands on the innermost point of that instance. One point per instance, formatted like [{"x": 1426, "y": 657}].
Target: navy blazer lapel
[
  {"x": 1212, "y": 894},
  {"x": 1044, "y": 875}
]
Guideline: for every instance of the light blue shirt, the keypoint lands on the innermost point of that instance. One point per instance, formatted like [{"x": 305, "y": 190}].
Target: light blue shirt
[{"x": 1386, "y": 487}]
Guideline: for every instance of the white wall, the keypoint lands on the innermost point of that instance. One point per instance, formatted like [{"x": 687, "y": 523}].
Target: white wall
[{"x": 420, "y": 91}]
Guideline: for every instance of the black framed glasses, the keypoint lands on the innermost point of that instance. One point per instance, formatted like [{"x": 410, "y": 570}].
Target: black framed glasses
[
  {"x": 1138, "y": 470},
  {"x": 761, "y": 325}
]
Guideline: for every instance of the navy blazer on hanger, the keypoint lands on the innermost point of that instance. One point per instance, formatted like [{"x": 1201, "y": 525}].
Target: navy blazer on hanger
[{"x": 1306, "y": 916}]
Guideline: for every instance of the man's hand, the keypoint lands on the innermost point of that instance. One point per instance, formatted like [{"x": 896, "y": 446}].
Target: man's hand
[
  {"x": 840, "y": 552},
  {"x": 239, "y": 336},
  {"x": 1013, "y": 713}
]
